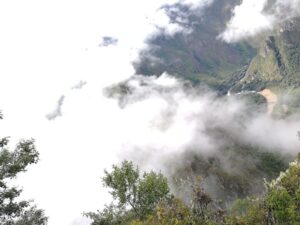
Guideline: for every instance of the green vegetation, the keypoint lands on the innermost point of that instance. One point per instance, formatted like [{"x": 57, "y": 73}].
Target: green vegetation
[
  {"x": 270, "y": 60},
  {"x": 277, "y": 63},
  {"x": 199, "y": 56},
  {"x": 280, "y": 204},
  {"x": 221, "y": 189},
  {"x": 136, "y": 194},
  {"x": 12, "y": 211}
]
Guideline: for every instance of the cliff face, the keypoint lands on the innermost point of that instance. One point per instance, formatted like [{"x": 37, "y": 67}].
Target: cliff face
[{"x": 277, "y": 63}]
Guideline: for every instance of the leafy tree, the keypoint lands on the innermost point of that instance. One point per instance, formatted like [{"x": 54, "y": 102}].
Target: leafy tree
[
  {"x": 144, "y": 200},
  {"x": 151, "y": 189},
  {"x": 32, "y": 216},
  {"x": 123, "y": 182},
  {"x": 111, "y": 215},
  {"x": 282, "y": 198},
  {"x": 13, "y": 212},
  {"x": 247, "y": 211},
  {"x": 130, "y": 189},
  {"x": 282, "y": 206},
  {"x": 170, "y": 211},
  {"x": 279, "y": 206},
  {"x": 173, "y": 211},
  {"x": 136, "y": 195}
]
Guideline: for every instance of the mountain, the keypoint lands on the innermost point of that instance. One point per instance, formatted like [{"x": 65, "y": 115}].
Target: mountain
[
  {"x": 202, "y": 58},
  {"x": 276, "y": 68},
  {"x": 277, "y": 63},
  {"x": 265, "y": 68},
  {"x": 198, "y": 56}
]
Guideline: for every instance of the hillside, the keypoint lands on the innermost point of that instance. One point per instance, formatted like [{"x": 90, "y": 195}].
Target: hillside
[
  {"x": 267, "y": 74},
  {"x": 147, "y": 201},
  {"x": 277, "y": 63},
  {"x": 197, "y": 56},
  {"x": 200, "y": 57}
]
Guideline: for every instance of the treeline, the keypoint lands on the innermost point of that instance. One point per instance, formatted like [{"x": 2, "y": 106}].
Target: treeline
[
  {"x": 13, "y": 162},
  {"x": 145, "y": 199}
]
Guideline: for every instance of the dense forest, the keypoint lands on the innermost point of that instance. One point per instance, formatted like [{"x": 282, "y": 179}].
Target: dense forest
[{"x": 145, "y": 198}]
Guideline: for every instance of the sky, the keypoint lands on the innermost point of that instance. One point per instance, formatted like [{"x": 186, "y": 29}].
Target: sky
[
  {"x": 252, "y": 17},
  {"x": 56, "y": 63},
  {"x": 47, "y": 48}
]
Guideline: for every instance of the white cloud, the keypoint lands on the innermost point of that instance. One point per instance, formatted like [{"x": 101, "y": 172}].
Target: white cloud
[
  {"x": 45, "y": 48},
  {"x": 48, "y": 46},
  {"x": 197, "y": 3},
  {"x": 254, "y": 16},
  {"x": 162, "y": 21},
  {"x": 248, "y": 19}
]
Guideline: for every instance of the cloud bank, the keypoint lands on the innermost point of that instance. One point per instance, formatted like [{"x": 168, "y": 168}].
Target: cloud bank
[
  {"x": 46, "y": 47},
  {"x": 254, "y": 16},
  {"x": 182, "y": 116},
  {"x": 102, "y": 122}
]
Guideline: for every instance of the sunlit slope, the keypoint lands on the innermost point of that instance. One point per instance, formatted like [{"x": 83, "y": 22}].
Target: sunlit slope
[{"x": 277, "y": 63}]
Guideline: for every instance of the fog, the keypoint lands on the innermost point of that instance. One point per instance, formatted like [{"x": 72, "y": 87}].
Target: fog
[
  {"x": 63, "y": 89},
  {"x": 254, "y": 16},
  {"x": 48, "y": 47}
]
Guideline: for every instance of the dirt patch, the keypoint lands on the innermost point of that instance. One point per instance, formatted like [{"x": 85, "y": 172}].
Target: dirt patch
[{"x": 271, "y": 97}]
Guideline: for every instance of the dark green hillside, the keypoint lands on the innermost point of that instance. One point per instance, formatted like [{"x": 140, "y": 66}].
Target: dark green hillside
[
  {"x": 237, "y": 171},
  {"x": 199, "y": 56},
  {"x": 202, "y": 58},
  {"x": 278, "y": 204}
]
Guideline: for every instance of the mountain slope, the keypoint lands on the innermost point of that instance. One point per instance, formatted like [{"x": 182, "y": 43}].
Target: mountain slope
[
  {"x": 197, "y": 56},
  {"x": 277, "y": 63}
]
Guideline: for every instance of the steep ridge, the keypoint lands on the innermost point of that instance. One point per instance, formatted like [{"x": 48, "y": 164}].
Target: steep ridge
[{"x": 277, "y": 63}]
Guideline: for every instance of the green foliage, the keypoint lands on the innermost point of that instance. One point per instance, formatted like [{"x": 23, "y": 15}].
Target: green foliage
[
  {"x": 248, "y": 164},
  {"x": 151, "y": 189},
  {"x": 282, "y": 206},
  {"x": 32, "y": 216},
  {"x": 254, "y": 103},
  {"x": 271, "y": 163},
  {"x": 283, "y": 196},
  {"x": 123, "y": 182},
  {"x": 171, "y": 211},
  {"x": 247, "y": 212},
  {"x": 14, "y": 162},
  {"x": 199, "y": 56},
  {"x": 150, "y": 203},
  {"x": 11, "y": 163},
  {"x": 111, "y": 215},
  {"x": 139, "y": 193},
  {"x": 136, "y": 195},
  {"x": 240, "y": 207},
  {"x": 279, "y": 206},
  {"x": 278, "y": 61},
  {"x": 12, "y": 211}
]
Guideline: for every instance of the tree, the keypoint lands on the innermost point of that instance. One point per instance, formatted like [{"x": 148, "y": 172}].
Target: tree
[
  {"x": 282, "y": 199},
  {"x": 170, "y": 211},
  {"x": 279, "y": 206},
  {"x": 136, "y": 195},
  {"x": 13, "y": 212},
  {"x": 32, "y": 216}
]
